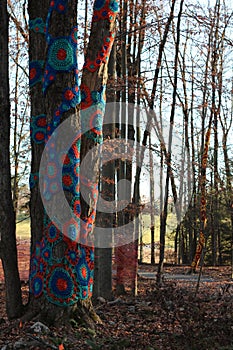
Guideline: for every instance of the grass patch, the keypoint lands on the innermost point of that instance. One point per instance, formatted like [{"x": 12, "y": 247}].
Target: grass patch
[
  {"x": 23, "y": 229},
  {"x": 146, "y": 236}
]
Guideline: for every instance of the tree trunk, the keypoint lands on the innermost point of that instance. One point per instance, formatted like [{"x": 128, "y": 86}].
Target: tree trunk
[
  {"x": 152, "y": 200},
  {"x": 203, "y": 219},
  {"x": 8, "y": 251},
  {"x": 163, "y": 215},
  {"x": 103, "y": 254}
]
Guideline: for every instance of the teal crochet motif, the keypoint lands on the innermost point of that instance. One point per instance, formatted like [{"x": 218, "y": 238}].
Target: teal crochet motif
[
  {"x": 38, "y": 127},
  {"x": 61, "y": 58},
  {"x": 33, "y": 180},
  {"x": 35, "y": 72},
  {"x": 92, "y": 114},
  {"x": 61, "y": 55},
  {"x": 105, "y": 9},
  {"x": 37, "y": 25}
]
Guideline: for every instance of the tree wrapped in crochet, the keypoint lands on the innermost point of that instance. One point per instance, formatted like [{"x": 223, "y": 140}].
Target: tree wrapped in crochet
[{"x": 62, "y": 253}]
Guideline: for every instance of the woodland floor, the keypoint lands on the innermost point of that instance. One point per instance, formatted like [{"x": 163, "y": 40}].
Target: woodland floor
[{"x": 169, "y": 317}]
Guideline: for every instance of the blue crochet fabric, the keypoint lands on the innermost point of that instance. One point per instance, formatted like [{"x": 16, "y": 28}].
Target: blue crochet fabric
[
  {"x": 38, "y": 128},
  {"x": 35, "y": 72},
  {"x": 61, "y": 57},
  {"x": 37, "y": 25}
]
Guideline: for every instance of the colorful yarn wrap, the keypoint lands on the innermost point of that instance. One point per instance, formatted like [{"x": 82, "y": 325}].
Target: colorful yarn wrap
[
  {"x": 93, "y": 107},
  {"x": 38, "y": 128},
  {"x": 33, "y": 180},
  {"x": 65, "y": 280},
  {"x": 35, "y": 72},
  {"x": 37, "y": 25},
  {"x": 61, "y": 58},
  {"x": 105, "y": 9},
  {"x": 103, "y": 54}
]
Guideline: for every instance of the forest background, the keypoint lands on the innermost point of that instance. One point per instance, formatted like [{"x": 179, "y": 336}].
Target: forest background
[{"x": 174, "y": 58}]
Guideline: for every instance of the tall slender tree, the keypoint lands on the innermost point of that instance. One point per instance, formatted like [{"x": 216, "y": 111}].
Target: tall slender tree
[
  {"x": 163, "y": 215},
  {"x": 8, "y": 252}
]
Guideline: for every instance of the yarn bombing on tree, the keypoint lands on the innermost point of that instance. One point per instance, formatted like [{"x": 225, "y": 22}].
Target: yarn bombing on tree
[
  {"x": 105, "y": 9},
  {"x": 33, "y": 180},
  {"x": 61, "y": 58},
  {"x": 35, "y": 72},
  {"x": 38, "y": 127},
  {"x": 37, "y": 25},
  {"x": 63, "y": 281},
  {"x": 102, "y": 56}
]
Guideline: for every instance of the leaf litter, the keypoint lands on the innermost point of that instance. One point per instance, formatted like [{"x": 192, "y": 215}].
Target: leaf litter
[{"x": 169, "y": 317}]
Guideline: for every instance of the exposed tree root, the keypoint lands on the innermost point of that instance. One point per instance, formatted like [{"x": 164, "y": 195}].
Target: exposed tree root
[{"x": 52, "y": 315}]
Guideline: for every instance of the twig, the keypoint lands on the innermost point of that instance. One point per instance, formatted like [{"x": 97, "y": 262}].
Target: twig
[
  {"x": 200, "y": 272},
  {"x": 42, "y": 341}
]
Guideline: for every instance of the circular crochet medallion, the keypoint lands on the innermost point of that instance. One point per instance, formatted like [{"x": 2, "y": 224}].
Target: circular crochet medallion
[
  {"x": 39, "y": 136},
  {"x": 61, "y": 55},
  {"x": 83, "y": 272},
  {"x": 99, "y": 4},
  {"x": 46, "y": 254},
  {"x": 35, "y": 72},
  {"x": 114, "y": 6},
  {"x": 52, "y": 233},
  {"x": 72, "y": 255},
  {"x": 37, "y": 25},
  {"x": 40, "y": 121},
  {"x": 71, "y": 230},
  {"x": 54, "y": 187},
  {"x": 60, "y": 286},
  {"x": 36, "y": 285},
  {"x": 52, "y": 170},
  {"x": 67, "y": 181},
  {"x": 76, "y": 206}
]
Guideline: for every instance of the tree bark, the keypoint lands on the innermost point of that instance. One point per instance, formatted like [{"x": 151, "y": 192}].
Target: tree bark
[
  {"x": 103, "y": 255},
  {"x": 163, "y": 215},
  {"x": 8, "y": 251}
]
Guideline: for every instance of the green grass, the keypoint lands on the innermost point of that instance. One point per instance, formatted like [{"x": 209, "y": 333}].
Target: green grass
[
  {"x": 23, "y": 229},
  {"x": 171, "y": 224}
]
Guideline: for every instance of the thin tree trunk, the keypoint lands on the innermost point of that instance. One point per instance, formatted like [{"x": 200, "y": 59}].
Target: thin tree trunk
[
  {"x": 8, "y": 251},
  {"x": 163, "y": 215},
  {"x": 202, "y": 237},
  {"x": 152, "y": 201},
  {"x": 103, "y": 255}
]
